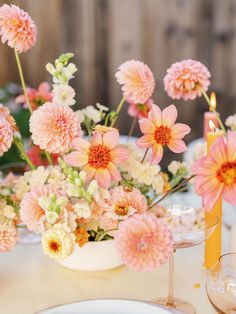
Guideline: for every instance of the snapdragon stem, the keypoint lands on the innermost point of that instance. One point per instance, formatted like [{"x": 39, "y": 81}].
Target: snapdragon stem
[
  {"x": 145, "y": 154},
  {"x": 23, "y": 154},
  {"x": 101, "y": 235},
  {"x": 49, "y": 158},
  {"x": 177, "y": 188},
  {"x": 118, "y": 110},
  {"x": 209, "y": 103},
  {"x": 22, "y": 79},
  {"x": 131, "y": 130}
]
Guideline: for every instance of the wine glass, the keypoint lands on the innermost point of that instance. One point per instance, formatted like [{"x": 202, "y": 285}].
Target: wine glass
[
  {"x": 189, "y": 228},
  {"x": 221, "y": 284}
]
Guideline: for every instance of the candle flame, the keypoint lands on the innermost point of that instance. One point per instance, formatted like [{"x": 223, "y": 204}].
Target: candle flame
[
  {"x": 212, "y": 125},
  {"x": 213, "y": 102}
]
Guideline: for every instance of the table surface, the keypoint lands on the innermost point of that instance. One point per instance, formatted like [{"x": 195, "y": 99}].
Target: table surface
[{"x": 30, "y": 281}]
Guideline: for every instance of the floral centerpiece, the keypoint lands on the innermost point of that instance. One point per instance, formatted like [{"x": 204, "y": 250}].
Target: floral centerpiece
[{"x": 82, "y": 184}]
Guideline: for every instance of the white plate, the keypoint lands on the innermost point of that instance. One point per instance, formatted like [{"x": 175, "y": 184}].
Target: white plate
[{"x": 106, "y": 306}]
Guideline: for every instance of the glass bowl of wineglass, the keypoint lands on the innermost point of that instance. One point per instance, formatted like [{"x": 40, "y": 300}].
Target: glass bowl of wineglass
[
  {"x": 189, "y": 228},
  {"x": 221, "y": 284}
]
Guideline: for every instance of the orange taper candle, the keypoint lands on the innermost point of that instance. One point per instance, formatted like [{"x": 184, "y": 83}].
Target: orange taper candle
[{"x": 213, "y": 243}]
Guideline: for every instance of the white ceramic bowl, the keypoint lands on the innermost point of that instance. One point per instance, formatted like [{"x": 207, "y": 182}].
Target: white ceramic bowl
[{"x": 93, "y": 256}]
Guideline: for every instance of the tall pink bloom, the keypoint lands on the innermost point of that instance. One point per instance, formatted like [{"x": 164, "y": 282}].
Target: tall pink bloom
[
  {"x": 8, "y": 238},
  {"x": 140, "y": 111},
  {"x": 54, "y": 127},
  {"x": 100, "y": 157},
  {"x": 17, "y": 28},
  {"x": 6, "y": 135},
  {"x": 31, "y": 213},
  {"x": 37, "y": 97},
  {"x": 143, "y": 242},
  {"x": 216, "y": 174},
  {"x": 160, "y": 130},
  {"x": 137, "y": 80},
  {"x": 185, "y": 79},
  {"x": 5, "y": 113}
]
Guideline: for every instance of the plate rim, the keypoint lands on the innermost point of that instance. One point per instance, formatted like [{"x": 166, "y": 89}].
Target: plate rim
[{"x": 104, "y": 299}]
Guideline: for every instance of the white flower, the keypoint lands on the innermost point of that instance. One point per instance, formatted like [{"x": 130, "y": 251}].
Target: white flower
[
  {"x": 82, "y": 175},
  {"x": 56, "y": 176},
  {"x": 38, "y": 177},
  {"x": 200, "y": 150},
  {"x": 101, "y": 107},
  {"x": 51, "y": 217},
  {"x": 231, "y": 122},
  {"x": 22, "y": 186},
  {"x": 174, "y": 166},
  {"x": 158, "y": 184},
  {"x": 92, "y": 113},
  {"x": 93, "y": 187},
  {"x": 9, "y": 212},
  {"x": 82, "y": 209},
  {"x": 80, "y": 115},
  {"x": 64, "y": 94}
]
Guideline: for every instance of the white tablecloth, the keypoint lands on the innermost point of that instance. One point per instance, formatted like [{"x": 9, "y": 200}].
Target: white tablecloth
[{"x": 30, "y": 281}]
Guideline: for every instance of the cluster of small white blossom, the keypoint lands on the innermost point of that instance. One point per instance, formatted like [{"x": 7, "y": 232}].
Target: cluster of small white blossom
[{"x": 231, "y": 122}]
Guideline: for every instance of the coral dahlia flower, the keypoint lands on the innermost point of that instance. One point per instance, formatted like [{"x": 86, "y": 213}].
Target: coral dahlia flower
[
  {"x": 99, "y": 158},
  {"x": 161, "y": 130},
  {"x": 185, "y": 79},
  {"x": 216, "y": 174},
  {"x": 137, "y": 80},
  {"x": 8, "y": 238},
  {"x": 143, "y": 242},
  {"x": 37, "y": 97},
  {"x": 17, "y": 28},
  {"x": 54, "y": 127},
  {"x": 6, "y": 135}
]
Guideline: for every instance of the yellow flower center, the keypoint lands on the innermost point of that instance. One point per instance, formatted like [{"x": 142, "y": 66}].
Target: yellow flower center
[
  {"x": 227, "y": 173},
  {"x": 54, "y": 246},
  {"x": 162, "y": 135},
  {"x": 99, "y": 156},
  {"x": 121, "y": 210}
]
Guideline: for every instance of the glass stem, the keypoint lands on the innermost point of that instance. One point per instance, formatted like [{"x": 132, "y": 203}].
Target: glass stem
[{"x": 170, "y": 298}]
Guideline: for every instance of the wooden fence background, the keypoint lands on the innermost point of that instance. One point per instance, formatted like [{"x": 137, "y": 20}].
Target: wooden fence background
[{"x": 105, "y": 33}]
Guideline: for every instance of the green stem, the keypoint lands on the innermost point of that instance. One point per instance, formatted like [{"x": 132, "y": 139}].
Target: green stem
[
  {"x": 118, "y": 110},
  {"x": 23, "y": 154},
  {"x": 177, "y": 188},
  {"x": 101, "y": 235},
  {"x": 22, "y": 79},
  {"x": 209, "y": 103},
  {"x": 49, "y": 158}
]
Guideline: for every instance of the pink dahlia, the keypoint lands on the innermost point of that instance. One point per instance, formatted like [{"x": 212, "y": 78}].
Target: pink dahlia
[
  {"x": 5, "y": 113},
  {"x": 140, "y": 111},
  {"x": 31, "y": 213},
  {"x": 100, "y": 157},
  {"x": 137, "y": 80},
  {"x": 37, "y": 97},
  {"x": 8, "y": 238},
  {"x": 54, "y": 127},
  {"x": 216, "y": 174},
  {"x": 122, "y": 204},
  {"x": 6, "y": 136},
  {"x": 17, "y": 28},
  {"x": 161, "y": 130},
  {"x": 143, "y": 242},
  {"x": 186, "y": 79}
]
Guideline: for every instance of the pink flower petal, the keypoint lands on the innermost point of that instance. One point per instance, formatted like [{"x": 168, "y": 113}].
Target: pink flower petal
[
  {"x": 111, "y": 138},
  {"x": 206, "y": 184},
  {"x": 146, "y": 126},
  {"x": 231, "y": 141},
  {"x": 177, "y": 146},
  {"x": 97, "y": 139},
  {"x": 204, "y": 167},
  {"x": 157, "y": 154},
  {"x": 119, "y": 155},
  {"x": 103, "y": 177},
  {"x": 219, "y": 150},
  {"x": 210, "y": 198},
  {"x": 76, "y": 159},
  {"x": 90, "y": 172},
  {"x": 145, "y": 141},
  {"x": 115, "y": 174},
  {"x": 179, "y": 130},
  {"x": 229, "y": 194},
  {"x": 169, "y": 115},
  {"x": 80, "y": 144},
  {"x": 155, "y": 115}
]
